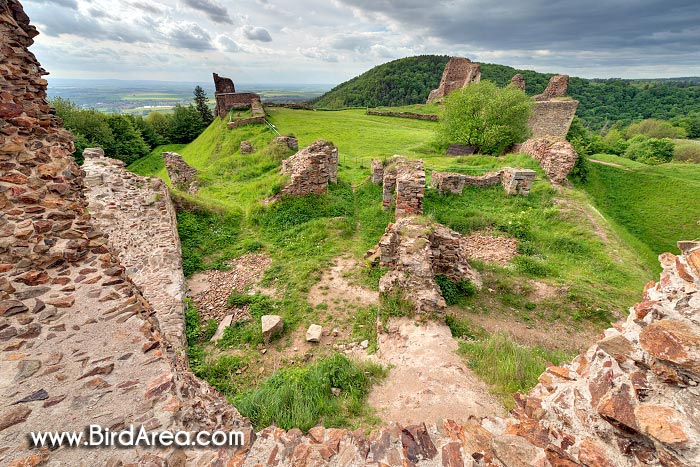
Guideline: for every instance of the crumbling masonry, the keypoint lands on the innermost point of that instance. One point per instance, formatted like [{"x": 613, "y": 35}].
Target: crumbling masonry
[
  {"x": 514, "y": 181},
  {"x": 182, "y": 176},
  {"x": 459, "y": 72},
  {"x": 228, "y": 99},
  {"x": 311, "y": 169},
  {"x": 403, "y": 184}
]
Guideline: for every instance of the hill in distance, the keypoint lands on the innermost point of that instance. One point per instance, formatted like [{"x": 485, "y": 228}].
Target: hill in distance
[{"x": 409, "y": 80}]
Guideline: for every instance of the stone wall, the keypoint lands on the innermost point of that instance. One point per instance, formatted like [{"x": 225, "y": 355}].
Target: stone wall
[
  {"x": 80, "y": 344},
  {"x": 557, "y": 87},
  {"x": 416, "y": 250},
  {"x": 556, "y": 157},
  {"x": 377, "y": 171},
  {"x": 459, "y": 72},
  {"x": 518, "y": 81},
  {"x": 227, "y": 98},
  {"x": 141, "y": 223},
  {"x": 412, "y": 115},
  {"x": 410, "y": 187},
  {"x": 289, "y": 141},
  {"x": 311, "y": 169},
  {"x": 182, "y": 176},
  {"x": 514, "y": 181},
  {"x": 552, "y": 118}
]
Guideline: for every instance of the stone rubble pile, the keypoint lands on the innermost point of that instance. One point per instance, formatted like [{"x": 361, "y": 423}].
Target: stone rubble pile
[
  {"x": 556, "y": 157},
  {"x": 311, "y": 169},
  {"x": 289, "y": 141},
  {"x": 182, "y": 176},
  {"x": 417, "y": 250}
]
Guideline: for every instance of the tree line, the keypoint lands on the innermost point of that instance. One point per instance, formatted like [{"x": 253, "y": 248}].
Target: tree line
[{"x": 127, "y": 137}]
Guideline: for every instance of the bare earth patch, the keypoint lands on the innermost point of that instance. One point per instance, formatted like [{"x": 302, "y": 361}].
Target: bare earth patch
[
  {"x": 428, "y": 381},
  {"x": 337, "y": 292},
  {"x": 484, "y": 247},
  {"x": 209, "y": 290}
]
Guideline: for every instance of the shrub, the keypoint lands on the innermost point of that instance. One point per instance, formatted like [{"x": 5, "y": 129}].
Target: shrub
[
  {"x": 649, "y": 150},
  {"x": 486, "y": 117},
  {"x": 654, "y": 128},
  {"x": 454, "y": 292},
  {"x": 687, "y": 152}
]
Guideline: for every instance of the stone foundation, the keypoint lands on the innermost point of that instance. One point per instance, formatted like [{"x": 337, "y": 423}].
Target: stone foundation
[
  {"x": 417, "y": 250},
  {"x": 556, "y": 157},
  {"x": 377, "y": 171},
  {"x": 182, "y": 176},
  {"x": 289, "y": 141},
  {"x": 459, "y": 72},
  {"x": 311, "y": 169},
  {"x": 514, "y": 181}
]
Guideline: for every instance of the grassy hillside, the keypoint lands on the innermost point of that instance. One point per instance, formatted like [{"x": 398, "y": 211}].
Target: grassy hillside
[
  {"x": 409, "y": 81},
  {"x": 563, "y": 245},
  {"x": 658, "y": 205}
]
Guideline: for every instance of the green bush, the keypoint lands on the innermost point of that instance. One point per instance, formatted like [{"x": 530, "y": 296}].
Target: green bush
[
  {"x": 486, "y": 117},
  {"x": 650, "y": 151},
  {"x": 654, "y": 128},
  {"x": 454, "y": 292},
  {"x": 687, "y": 152}
]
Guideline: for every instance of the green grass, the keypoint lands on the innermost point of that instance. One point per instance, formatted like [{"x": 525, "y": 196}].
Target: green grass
[
  {"x": 302, "y": 398},
  {"x": 153, "y": 165},
  {"x": 655, "y": 204},
  {"x": 623, "y": 161},
  {"x": 508, "y": 367}
]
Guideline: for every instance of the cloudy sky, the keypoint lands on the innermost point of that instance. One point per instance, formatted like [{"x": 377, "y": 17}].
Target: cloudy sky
[{"x": 329, "y": 41}]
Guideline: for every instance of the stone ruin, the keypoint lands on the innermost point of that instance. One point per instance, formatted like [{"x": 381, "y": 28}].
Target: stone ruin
[
  {"x": 459, "y": 72},
  {"x": 246, "y": 147},
  {"x": 289, "y": 141},
  {"x": 416, "y": 250},
  {"x": 228, "y": 99},
  {"x": 518, "y": 81},
  {"x": 82, "y": 345},
  {"x": 557, "y": 157},
  {"x": 182, "y": 176},
  {"x": 377, "y": 168},
  {"x": 556, "y": 88},
  {"x": 514, "y": 181},
  {"x": 403, "y": 183},
  {"x": 460, "y": 150},
  {"x": 256, "y": 109},
  {"x": 551, "y": 113},
  {"x": 311, "y": 169}
]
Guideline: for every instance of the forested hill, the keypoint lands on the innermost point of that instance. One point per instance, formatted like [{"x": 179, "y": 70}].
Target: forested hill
[{"x": 409, "y": 81}]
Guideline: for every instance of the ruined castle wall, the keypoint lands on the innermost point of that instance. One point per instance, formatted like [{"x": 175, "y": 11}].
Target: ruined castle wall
[
  {"x": 182, "y": 176},
  {"x": 377, "y": 171},
  {"x": 80, "y": 344},
  {"x": 514, "y": 181},
  {"x": 552, "y": 118},
  {"x": 233, "y": 101},
  {"x": 140, "y": 220},
  {"x": 459, "y": 72},
  {"x": 311, "y": 169},
  {"x": 556, "y": 157},
  {"x": 410, "y": 187}
]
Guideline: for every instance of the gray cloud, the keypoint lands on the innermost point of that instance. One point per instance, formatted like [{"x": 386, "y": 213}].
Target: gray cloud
[
  {"x": 149, "y": 7},
  {"x": 189, "y": 36},
  {"x": 563, "y": 26},
  {"x": 257, "y": 34},
  {"x": 213, "y": 9},
  {"x": 57, "y": 22},
  {"x": 227, "y": 44}
]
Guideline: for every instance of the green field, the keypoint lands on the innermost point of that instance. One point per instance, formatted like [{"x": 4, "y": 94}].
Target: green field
[
  {"x": 658, "y": 205},
  {"x": 563, "y": 242}
]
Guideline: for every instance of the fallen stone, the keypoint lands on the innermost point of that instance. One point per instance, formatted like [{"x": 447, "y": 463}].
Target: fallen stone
[
  {"x": 675, "y": 342},
  {"x": 314, "y": 333},
  {"x": 246, "y": 147},
  {"x": 514, "y": 451},
  {"x": 226, "y": 322},
  {"x": 39, "y": 395},
  {"x": 14, "y": 416},
  {"x": 271, "y": 326},
  {"x": 27, "y": 368}
]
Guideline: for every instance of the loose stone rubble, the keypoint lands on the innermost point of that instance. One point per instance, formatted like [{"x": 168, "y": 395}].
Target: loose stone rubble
[
  {"x": 417, "y": 250},
  {"x": 311, "y": 169},
  {"x": 139, "y": 218},
  {"x": 459, "y": 72},
  {"x": 405, "y": 178},
  {"x": 514, "y": 181},
  {"x": 556, "y": 157},
  {"x": 246, "y": 147},
  {"x": 182, "y": 176},
  {"x": 80, "y": 345}
]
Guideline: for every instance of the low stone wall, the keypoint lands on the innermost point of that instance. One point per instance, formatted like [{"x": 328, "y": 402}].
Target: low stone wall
[
  {"x": 417, "y": 250},
  {"x": 514, "y": 181},
  {"x": 412, "y": 115},
  {"x": 311, "y": 169},
  {"x": 556, "y": 157},
  {"x": 460, "y": 150},
  {"x": 410, "y": 187},
  {"x": 182, "y": 176},
  {"x": 377, "y": 171},
  {"x": 244, "y": 121},
  {"x": 289, "y": 141},
  {"x": 141, "y": 223}
]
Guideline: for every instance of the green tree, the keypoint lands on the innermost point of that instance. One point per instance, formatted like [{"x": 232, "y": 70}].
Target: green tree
[
  {"x": 161, "y": 124},
  {"x": 486, "y": 117},
  {"x": 185, "y": 124},
  {"x": 89, "y": 127},
  {"x": 654, "y": 128},
  {"x": 128, "y": 143},
  {"x": 200, "y": 102},
  {"x": 150, "y": 135},
  {"x": 649, "y": 150}
]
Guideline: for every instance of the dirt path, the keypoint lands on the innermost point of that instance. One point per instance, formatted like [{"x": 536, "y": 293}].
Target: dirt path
[
  {"x": 611, "y": 164},
  {"x": 428, "y": 381},
  {"x": 337, "y": 292}
]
